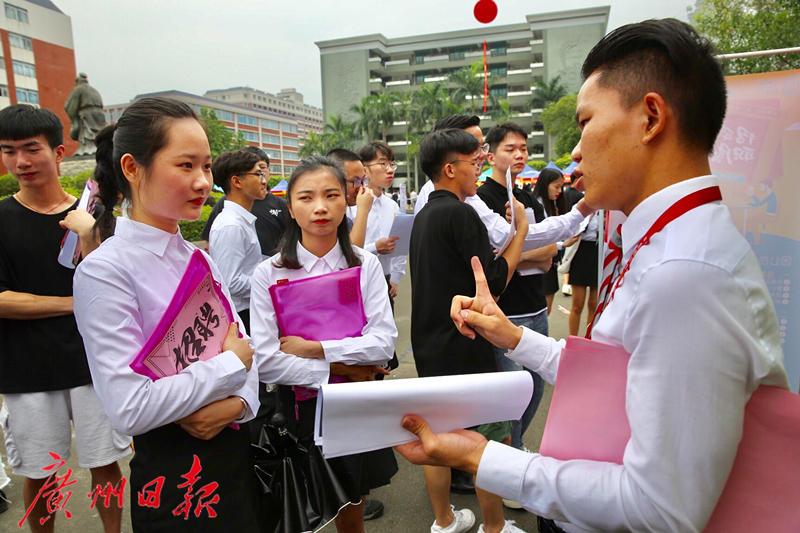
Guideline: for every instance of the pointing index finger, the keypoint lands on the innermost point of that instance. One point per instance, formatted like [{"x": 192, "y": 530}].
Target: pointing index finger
[{"x": 481, "y": 285}]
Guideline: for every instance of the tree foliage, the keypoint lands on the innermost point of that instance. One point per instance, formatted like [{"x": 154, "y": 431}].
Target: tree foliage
[
  {"x": 547, "y": 92},
  {"x": 220, "y": 138},
  {"x": 468, "y": 86},
  {"x": 559, "y": 122},
  {"x": 749, "y": 26}
]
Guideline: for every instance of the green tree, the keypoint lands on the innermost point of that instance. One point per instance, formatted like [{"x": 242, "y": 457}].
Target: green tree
[
  {"x": 386, "y": 112},
  {"x": 559, "y": 123},
  {"x": 500, "y": 111},
  {"x": 220, "y": 138},
  {"x": 367, "y": 122},
  {"x": 339, "y": 133},
  {"x": 749, "y": 26},
  {"x": 468, "y": 86},
  {"x": 547, "y": 92}
]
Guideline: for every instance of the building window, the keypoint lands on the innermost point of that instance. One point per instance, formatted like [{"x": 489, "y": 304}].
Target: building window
[
  {"x": 24, "y": 69},
  {"x": 247, "y": 120},
  {"x": 269, "y": 124},
  {"x": 27, "y": 96},
  {"x": 224, "y": 115},
  {"x": 271, "y": 139},
  {"x": 16, "y": 13},
  {"x": 4, "y": 91},
  {"x": 288, "y": 141},
  {"x": 20, "y": 41},
  {"x": 288, "y": 128},
  {"x": 250, "y": 136}
]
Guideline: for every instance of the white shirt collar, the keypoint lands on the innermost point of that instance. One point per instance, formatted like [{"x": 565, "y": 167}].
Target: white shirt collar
[
  {"x": 309, "y": 260},
  {"x": 146, "y": 236},
  {"x": 240, "y": 211},
  {"x": 645, "y": 214}
]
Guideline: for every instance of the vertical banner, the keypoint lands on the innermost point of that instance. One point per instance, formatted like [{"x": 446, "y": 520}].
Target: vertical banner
[{"x": 757, "y": 157}]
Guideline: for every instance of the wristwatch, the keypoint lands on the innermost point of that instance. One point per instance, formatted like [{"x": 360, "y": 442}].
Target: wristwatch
[{"x": 559, "y": 245}]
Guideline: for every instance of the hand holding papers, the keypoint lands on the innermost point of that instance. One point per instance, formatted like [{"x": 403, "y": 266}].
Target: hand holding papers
[
  {"x": 513, "y": 222},
  {"x": 70, "y": 251},
  {"x": 401, "y": 228},
  {"x": 193, "y": 328},
  {"x": 359, "y": 417}
]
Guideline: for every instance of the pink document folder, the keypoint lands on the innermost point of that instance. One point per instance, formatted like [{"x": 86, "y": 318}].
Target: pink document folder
[
  {"x": 587, "y": 420},
  {"x": 193, "y": 327},
  {"x": 320, "y": 308}
]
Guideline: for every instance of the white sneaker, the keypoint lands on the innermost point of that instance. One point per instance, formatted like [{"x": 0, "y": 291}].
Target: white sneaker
[
  {"x": 463, "y": 520},
  {"x": 509, "y": 527},
  {"x": 512, "y": 504}
]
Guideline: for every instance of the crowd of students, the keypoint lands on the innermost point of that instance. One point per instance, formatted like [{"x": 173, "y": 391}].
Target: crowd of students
[{"x": 155, "y": 162}]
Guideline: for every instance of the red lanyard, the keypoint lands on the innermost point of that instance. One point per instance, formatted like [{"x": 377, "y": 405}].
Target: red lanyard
[{"x": 678, "y": 209}]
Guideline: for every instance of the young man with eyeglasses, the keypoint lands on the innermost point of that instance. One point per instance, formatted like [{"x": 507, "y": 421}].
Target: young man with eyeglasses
[
  {"x": 233, "y": 241},
  {"x": 271, "y": 212},
  {"x": 446, "y": 234},
  {"x": 358, "y": 195}
]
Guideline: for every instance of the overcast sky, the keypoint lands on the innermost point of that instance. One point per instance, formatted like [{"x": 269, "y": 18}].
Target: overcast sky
[{"x": 128, "y": 47}]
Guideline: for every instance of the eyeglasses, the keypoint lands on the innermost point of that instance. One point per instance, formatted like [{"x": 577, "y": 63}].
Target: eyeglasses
[
  {"x": 260, "y": 174},
  {"x": 477, "y": 163},
  {"x": 358, "y": 182},
  {"x": 388, "y": 165},
  {"x": 484, "y": 148}
]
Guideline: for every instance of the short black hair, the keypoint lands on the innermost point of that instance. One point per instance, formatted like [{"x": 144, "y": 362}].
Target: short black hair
[
  {"x": 374, "y": 150},
  {"x": 668, "y": 57},
  {"x": 23, "y": 121},
  {"x": 497, "y": 133},
  {"x": 231, "y": 164},
  {"x": 342, "y": 155},
  {"x": 459, "y": 122},
  {"x": 437, "y": 146},
  {"x": 261, "y": 154}
]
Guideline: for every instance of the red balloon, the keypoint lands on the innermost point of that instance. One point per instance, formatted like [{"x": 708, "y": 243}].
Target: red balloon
[{"x": 485, "y": 11}]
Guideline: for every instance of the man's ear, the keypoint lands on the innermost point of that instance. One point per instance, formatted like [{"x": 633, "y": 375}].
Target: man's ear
[{"x": 656, "y": 113}]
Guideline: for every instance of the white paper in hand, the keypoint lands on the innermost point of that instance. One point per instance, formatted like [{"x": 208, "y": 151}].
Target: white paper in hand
[
  {"x": 401, "y": 228},
  {"x": 512, "y": 230},
  {"x": 70, "y": 246},
  {"x": 360, "y": 417}
]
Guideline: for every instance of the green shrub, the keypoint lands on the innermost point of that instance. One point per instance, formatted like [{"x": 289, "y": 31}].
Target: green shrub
[
  {"x": 8, "y": 185},
  {"x": 537, "y": 164},
  {"x": 78, "y": 181},
  {"x": 564, "y": 161},
  {"x": 192, "y": 229}
]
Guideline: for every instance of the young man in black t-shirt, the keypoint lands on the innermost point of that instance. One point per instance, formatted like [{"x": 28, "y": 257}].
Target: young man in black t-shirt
[
  {"x": 44, "y": 374},
  {"x": 446, "y": 237},
  {"x": 271, "y": 212},
  {"x": 524, "y": 300}
]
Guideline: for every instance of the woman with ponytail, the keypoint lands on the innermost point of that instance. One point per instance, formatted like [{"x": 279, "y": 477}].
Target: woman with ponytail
[
  {"x": 157, "y": 158},
  {"x": 317, "y": 242}
]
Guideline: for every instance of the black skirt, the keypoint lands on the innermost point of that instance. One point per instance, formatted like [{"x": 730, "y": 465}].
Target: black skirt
[
  {"x": 550, "y": 280},
  {"x": 358, "y": 473},
  {"x": 583, "y": 268},
  {"x": 169, "y": 451}
]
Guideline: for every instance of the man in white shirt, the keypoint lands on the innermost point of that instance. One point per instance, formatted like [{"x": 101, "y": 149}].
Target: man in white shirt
[
  {"x": 540, "y": 234},
  {"x": 233, "y": 241},
  {"x": 693, "y": 312}
]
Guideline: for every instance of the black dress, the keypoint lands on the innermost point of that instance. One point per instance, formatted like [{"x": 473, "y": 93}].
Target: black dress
[{"x": 166, "y": 454}]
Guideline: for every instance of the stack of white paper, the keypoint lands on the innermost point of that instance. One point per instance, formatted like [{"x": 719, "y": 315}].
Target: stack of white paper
[
  {"x": 361, "y": 417},
  {"x": 401, "y": 227}
]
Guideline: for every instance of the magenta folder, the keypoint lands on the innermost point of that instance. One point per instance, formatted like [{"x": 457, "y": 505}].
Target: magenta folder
[
  {"x": 320, "y": 308},
  {"x": 193, "y": 326},
  {"x": 588, "y": 420},
  {"x": 587, "y": 417}
]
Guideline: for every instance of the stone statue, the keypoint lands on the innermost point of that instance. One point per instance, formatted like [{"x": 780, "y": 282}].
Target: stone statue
[{"x": 84, "y": 108}]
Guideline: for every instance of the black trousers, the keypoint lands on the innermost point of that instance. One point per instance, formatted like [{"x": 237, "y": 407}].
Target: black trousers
[{"x": 547, "y": 526}]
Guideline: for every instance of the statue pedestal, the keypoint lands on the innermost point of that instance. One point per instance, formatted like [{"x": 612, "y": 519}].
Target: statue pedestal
[{"x": 77, "y": 164}]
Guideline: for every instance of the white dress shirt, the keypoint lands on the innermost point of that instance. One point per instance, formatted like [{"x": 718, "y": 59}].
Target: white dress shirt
[
  {"x": 695, "y": 315},
  {"x": 540, "y": 234},
  {"x": 374, "y": 347},
  {"x": 379, "y": 225},
  {"x": 233, "y": 244},
  {"x": 121, "y": 292}
]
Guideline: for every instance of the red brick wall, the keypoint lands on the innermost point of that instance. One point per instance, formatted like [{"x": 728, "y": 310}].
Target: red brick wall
[{"x": 55, "y": 75}]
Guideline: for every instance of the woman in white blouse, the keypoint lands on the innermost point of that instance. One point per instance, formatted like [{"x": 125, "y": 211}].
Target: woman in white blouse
[
  {"x": 158, "y": 157},
  {"x": 316, "y": 242}
]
